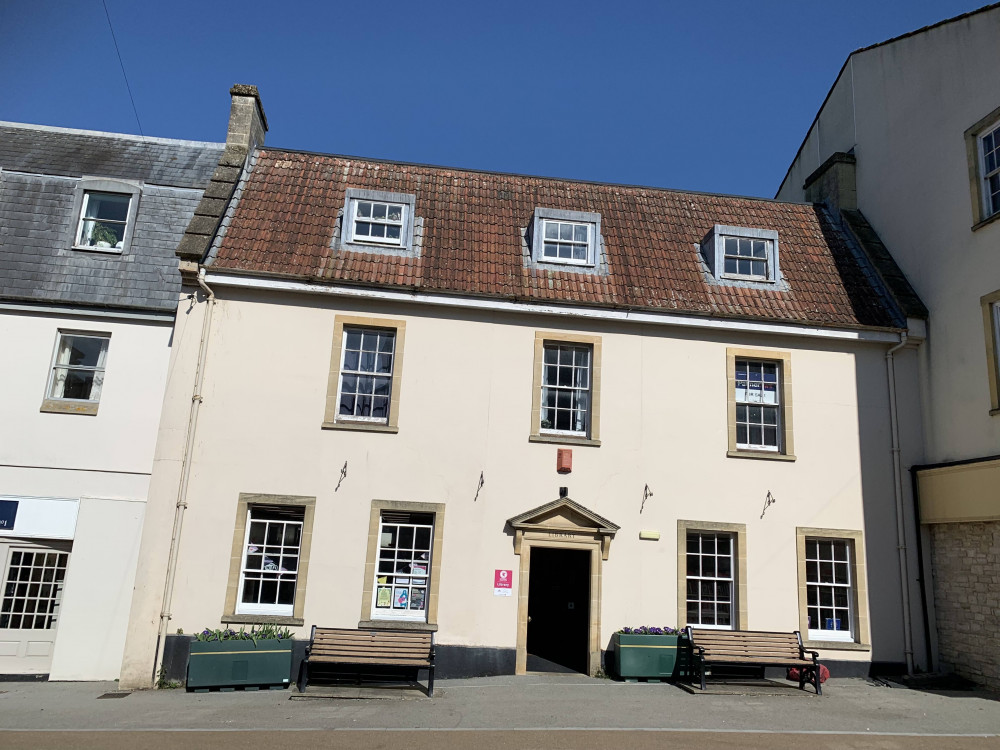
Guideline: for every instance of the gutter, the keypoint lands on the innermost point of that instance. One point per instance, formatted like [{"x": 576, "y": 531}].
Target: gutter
[
  {"x": 181, "y": 506},
  {"x": 546, "y": 308},
  {"x": 898, "y": 492}
]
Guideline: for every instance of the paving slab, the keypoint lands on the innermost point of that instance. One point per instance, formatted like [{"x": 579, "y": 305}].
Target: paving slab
[{"x": 564, "y": 702}]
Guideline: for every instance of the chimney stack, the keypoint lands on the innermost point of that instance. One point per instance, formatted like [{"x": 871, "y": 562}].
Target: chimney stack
[
  {"x": 247, "y": 127},
  {"x": 834, "y": 183}
]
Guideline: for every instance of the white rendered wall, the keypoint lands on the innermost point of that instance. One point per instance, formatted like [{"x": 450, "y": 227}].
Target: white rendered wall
[
  {"x": 103, "y": 460},
  {"x": 913, "y": 99}
]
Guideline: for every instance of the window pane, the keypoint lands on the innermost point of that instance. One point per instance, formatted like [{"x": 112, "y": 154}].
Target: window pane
[
  {"x": 379, "y": 210},
  {"x": 364, "y": 209},
  {"x": 392, "y": 233},
  {"x": 566, "y": 231},
  {"x": 551, "y": 230},
  {"x": 580, "y": 233},
  {"x": 395, "y": 213},
  {"x": 107, "y": 206}
]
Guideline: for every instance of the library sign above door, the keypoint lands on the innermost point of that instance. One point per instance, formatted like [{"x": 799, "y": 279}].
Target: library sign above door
[{"x": 564, "y": 520}]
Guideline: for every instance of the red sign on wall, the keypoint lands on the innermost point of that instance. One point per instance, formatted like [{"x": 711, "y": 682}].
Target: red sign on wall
[{"x": 502, "y": 582}]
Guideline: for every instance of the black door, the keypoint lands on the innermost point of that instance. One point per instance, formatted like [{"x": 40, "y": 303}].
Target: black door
[{"x": 559, "y": 606}]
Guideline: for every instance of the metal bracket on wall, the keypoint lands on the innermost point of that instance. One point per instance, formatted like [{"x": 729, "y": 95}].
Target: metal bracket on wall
[
  {"x": 768, "y": 502},
  {"x": 343, "y": 475},
  {"x": 482, "y": 481},
  {"x": 646, "y": 494}
]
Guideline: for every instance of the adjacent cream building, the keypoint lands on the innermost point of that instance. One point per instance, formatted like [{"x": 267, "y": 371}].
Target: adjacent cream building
[
  {"x": 909, "y": 137},
  {"x": 89, "y": 223},
  {"x": 523, "y": 413}
]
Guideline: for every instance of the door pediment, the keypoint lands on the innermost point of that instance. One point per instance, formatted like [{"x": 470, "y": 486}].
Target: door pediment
[{"x": 567, "y": 517}]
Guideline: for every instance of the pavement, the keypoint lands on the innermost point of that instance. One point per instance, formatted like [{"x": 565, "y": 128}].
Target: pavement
[{"x": 534, "y": 710}]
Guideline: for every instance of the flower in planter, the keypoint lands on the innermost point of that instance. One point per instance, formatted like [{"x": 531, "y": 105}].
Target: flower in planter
[
  {"x": 264, "y": 632},
  {"x": 650, "y": 630}
]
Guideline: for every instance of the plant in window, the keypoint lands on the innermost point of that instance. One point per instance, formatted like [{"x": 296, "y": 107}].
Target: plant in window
[{"x": 102, "y": 233}]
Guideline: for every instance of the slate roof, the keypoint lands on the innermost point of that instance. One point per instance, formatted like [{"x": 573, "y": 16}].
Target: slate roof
[
  {"x": 75, "y": 153},
  {"x": 286, "y": 214},
  {"x": 39, "y": 174}
]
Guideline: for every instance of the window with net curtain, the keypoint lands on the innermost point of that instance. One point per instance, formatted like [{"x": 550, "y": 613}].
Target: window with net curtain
[
  {"x": 103, "y": 220},
  {"x": 78, "y": 367}
]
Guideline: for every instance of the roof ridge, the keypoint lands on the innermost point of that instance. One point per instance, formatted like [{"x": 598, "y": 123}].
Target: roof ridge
[
  {"x": 922, "y": 29},
  {"x": 109, "y": 134},
  {"x": 575, "y": 181}
]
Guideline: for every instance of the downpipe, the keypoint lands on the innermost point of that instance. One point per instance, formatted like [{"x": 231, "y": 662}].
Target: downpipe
[
  {"x": 898, "y": 491},
  {"x": 181, "y": 506}
]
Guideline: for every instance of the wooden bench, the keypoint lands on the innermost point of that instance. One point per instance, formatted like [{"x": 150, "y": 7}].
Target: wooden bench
[
  {"x": 753, "y": 648},
  {"x": 367, "y": 650}
]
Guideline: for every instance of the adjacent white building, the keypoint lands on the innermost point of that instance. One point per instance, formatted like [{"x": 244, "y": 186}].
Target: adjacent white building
[
  {"x": 88, "y": 289},
  {"x": 908, "y": 139}
]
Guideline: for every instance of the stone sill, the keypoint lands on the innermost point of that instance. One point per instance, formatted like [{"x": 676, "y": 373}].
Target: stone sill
[
  {"x": 986, "y": 221},
  {"x": 426, "y": 627},
  {"x": 262, "y": 620},
  {"x": 361, "y": 427},
  {"x": 837, "y": 646},
  {"x": 65, "y": 406},
  {"x": 765, "y": 455},
  {"x": 564, "y": 440}
]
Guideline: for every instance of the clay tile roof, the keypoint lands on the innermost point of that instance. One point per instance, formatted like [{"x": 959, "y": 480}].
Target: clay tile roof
[{"x": 284, "y": 221}]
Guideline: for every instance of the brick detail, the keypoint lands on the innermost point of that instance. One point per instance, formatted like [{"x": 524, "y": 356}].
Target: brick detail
[{"x": 966, "y": 561}]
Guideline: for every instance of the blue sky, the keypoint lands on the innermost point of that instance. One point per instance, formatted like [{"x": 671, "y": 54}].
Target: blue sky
[{"x": 713, "y": 95}]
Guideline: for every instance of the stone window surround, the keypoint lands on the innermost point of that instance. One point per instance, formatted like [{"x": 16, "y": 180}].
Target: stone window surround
[
  {"x": 991, "y": 327},
  {"x": 578, "y": 217},
  {"x": 739, "y": 532},
  {"x": 68, "y": 405},
  {"x": 308, "y": 504},
  {"x": 346, "y": 239},
  {"x": 787, "y": 447},
  {"x": 594, "y": 433},
  {"x": 330, "y": 420},
  {"x": 371, "y": 559},
  {"x": 974, "y": 157},
  {"x": 713, "y": 250},
  {"x": 859, "y": 588},
  {"x": 105, "y": 185}
]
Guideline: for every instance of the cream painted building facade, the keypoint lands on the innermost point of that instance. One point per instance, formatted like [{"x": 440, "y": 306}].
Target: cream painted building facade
[
  {"x": 262, "y": 438},
  {"x": 511, "y": 441},
  {"x": 935, "y": 93}
]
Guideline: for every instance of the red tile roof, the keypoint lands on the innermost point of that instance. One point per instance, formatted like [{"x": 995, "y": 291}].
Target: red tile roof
[{"x": 283, "y": 225}]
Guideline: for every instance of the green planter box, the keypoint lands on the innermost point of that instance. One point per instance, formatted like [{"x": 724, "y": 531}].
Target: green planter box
[
  {"x": 219, "y": 664},
  {"x": 656, "y": 657}
]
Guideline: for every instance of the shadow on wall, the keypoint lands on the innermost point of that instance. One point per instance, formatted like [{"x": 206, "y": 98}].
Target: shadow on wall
[{"x": 878, "y": 488}]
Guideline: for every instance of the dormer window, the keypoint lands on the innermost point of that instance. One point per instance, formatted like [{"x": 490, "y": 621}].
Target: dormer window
[
  {"x": 566, "y": 237},
  {"x": 741, "y": 254},
  {"x": 104, "y": 215},
  {"x": 745, "y": 257},
  {"x": 375, "y": 221}
]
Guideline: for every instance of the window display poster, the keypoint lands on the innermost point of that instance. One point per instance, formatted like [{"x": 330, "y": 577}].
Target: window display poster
[
  {"x": 417, "y": 599},
  {"x": 383, "y": 599},
  {"x": 401, "y": 598},
  {"x": 502, "y": 580}
]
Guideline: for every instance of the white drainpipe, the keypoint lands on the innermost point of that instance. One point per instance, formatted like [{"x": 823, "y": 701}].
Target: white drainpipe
[
  {"x": 196, "y": 399},
  {"x": 900, "y": 522}
]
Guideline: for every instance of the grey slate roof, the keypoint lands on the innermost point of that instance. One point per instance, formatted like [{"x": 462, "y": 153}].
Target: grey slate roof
[
  {"x": 75, "y": 153},
  {"x": 39, "y": 174}
]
